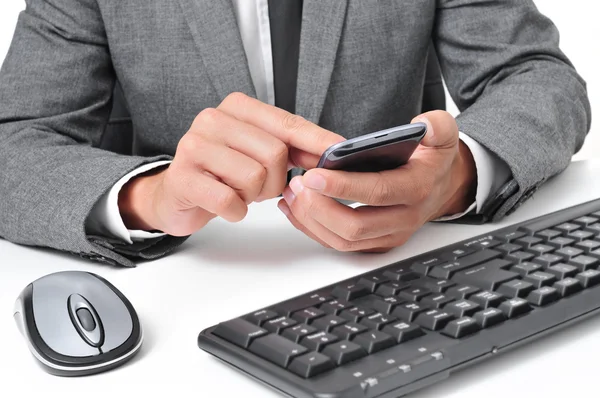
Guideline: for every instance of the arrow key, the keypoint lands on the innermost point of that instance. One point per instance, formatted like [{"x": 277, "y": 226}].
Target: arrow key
[{"x": 311, "y": 364}]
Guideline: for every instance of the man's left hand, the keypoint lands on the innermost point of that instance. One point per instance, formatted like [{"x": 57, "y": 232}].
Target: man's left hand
[{"x": 439, "y": 179}]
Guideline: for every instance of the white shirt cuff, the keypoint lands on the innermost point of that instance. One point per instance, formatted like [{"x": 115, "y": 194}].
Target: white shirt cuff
[
  {"x": 105, "y": 218},
  {"x": 491, "y": 173}
]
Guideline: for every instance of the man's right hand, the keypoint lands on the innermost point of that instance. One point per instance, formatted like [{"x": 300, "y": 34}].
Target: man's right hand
[{"x": 231, "y": 156}]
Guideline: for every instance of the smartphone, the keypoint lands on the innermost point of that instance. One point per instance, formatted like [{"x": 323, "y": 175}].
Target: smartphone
[{"x": 383, "y": 150}]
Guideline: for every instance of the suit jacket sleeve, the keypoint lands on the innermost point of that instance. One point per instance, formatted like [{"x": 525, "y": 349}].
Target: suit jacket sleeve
[
  {"x": 56, "y": 88},
  {"x": 519, "y": 95}
]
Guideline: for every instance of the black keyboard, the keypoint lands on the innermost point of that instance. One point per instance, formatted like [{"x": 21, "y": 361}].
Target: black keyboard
[{"x": 410, "y": 324}]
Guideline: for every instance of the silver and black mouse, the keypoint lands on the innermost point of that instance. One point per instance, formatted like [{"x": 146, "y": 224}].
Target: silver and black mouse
[{"x": 77, "y": 323}]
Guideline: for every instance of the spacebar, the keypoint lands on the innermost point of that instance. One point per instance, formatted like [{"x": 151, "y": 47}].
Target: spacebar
[{"x": 551, "y": 220}]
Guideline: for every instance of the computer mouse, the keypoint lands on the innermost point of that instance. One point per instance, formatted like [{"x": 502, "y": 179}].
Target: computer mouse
[{"x": 77, "y": 323}]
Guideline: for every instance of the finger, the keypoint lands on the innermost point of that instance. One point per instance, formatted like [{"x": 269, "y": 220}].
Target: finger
[
  {"x": 245, "y": 138},
  {"x": 335, "y": 241},
  {"x": 293, "y": 130},
  {"x": 282, "y": 205},
  {"x": 442, "y": 130},
  {"x": 242, "y": 173},
  {"x": 203, "y": 191},
  {"x": 364, "y": 222},
  {"x": 407, "y": 185}
]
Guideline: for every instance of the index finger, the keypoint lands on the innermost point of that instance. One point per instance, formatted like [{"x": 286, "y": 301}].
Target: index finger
[{"x": 293, "y": 130}]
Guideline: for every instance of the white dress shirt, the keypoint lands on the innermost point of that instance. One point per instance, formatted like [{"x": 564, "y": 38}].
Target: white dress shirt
[{"x": 253, "y": 22}]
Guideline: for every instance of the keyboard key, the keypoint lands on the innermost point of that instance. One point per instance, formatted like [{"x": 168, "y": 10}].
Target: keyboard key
[
  {"x": 515, "y": 288},
  {"x": 350, "y": 292},
  {"x": 459, "y": 252},
  {"x": 276, "y": 349},
  {"x": 526, "y": 268},
  {"x": 568, "y": 286},
  {"x": 386, "y": 304},
  {"x": 594, "y": 228},
  {"x": 568, "y": 252},
  {"x": 408, "y": 311},
  {"x": 462, "y": 327},
  {"x": 372, "y": 282},
  {"x": 461, "y": 291},
  {"x": 307, "y": 315},
  {"x": 377, "y": 321},
  {"x": 423, "y": 266},
  {"x": 585, "y": 220},
  {"x": 548, "y": 260},
  {"x": 528, "y": 241},
  {"x": 344, "y": 351},
  {"x": 317, "y": 341},
  {"x": 373, "y": 341},
  {"x": 239, "y": 331},
  {"x": 445, "y": 271},
  {"x": 594, "y": 253},
  {"x": 328, "y": 322},
  {"x": 508, "y": 248},
  {"x": 434, "y": 285},
  {"x": 485, "y": 244},
  {"x": 540, "y": 249},
  {"x": 567, "y": 227},
  {"x": 578, "y": 236},
  {"x": 562, "y": 271},
  {"x": 348, "y": 330},
  {"x": 487, "y": 299},
  {"x": 434, "y": 319},
  {"x": 509, "y": 236},
  {"x": 548, "y": 234},
  {"x": 485, "y": 277},
  {"x": 588, "y": 245},
  {"x": 462, "y": 308},
  {"x": 391, "y": 288},
  {"x": 356, "y": 314},
  {"x": 311, "y": 364},
  {"x": 589, "y": 278},
  {"x": 560, "y": 242},
  {"x": 514, "y": 307},
  {"x": 278, "y": 324},
  {"x": 489, "y": 317},
  {"x": 520, "y": 256},
  {"x": 415, "y": 294},
  {"x": 260, "y": 317},
  {"x": 436, "y": 301},
  {"x": 287, "y": 308},
  {"x": 584, "y": 263},
  {"x": 335, "y": 306},
  {"x": 403, "y": 331},
  {"x": 543, "y": 296},
  {"x": 298, "y": 332},
  {"x": 400, "y": 274},
  {"x": 539, "y": 279}
]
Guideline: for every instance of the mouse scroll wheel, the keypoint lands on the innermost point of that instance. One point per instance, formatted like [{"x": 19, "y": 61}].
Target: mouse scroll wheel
[{"x": 86, "y": 319}]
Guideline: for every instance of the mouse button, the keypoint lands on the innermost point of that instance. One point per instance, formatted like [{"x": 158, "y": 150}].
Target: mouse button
[
  {"x": 80, "y": 311},
  {"x": 86, "y": 319}
]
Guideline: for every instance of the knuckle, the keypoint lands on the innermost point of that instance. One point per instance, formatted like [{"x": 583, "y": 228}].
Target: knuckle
[
  {"x": 207, "y": 116},
  {"x": 226, "y": 200},
  {"x": 423, "y": 188},
  {"x": 343, "y": 245},
  {"x": 189, "y": 144},
  {"x": 382, "y": 192},
  {"x": 235, "y": 99},
  {"x": 355, "y": 230},
  {"x": 278, "y": 154},
  {"x": 256, "y": 176},
  {"x": 293, "y": 122}
]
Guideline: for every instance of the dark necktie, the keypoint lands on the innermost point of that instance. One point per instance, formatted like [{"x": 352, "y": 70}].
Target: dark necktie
[{"x": 285, "y": 20}]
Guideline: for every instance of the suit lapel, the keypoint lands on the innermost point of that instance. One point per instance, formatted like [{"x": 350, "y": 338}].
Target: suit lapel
[
  {"x": 217, "y": 35},
  {"x": 322, "y": 24}
]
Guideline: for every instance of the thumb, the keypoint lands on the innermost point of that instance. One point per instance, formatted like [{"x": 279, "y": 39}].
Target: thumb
[{"x": 442, "y": 130}]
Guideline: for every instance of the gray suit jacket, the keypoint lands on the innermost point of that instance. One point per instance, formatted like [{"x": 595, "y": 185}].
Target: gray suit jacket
[{"x": 361, "y": 69}]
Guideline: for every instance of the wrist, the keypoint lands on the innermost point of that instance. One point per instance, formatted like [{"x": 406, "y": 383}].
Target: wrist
[
  {"x": 463, "y": 180},
  {"x": 136, "y": 201}
]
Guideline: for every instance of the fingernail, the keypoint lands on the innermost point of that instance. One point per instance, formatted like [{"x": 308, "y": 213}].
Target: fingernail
[
  {"x": 289, "y": 196},
  {"x": 296, "y": 185},
  {"x": 314, "y": 181},
  {"x": 284, "y": 208}
]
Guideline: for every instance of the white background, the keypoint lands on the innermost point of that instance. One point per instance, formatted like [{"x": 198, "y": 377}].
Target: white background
[{"x": 575, "y": 19}]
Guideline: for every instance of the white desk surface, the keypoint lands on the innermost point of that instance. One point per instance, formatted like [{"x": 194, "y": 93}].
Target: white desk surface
[{"x": 227, "y": 269}]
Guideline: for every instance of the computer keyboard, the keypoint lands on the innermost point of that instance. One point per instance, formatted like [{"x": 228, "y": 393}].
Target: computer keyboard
[{"x": 410, "y": 324}]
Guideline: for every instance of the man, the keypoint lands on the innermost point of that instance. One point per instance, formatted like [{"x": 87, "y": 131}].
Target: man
[{"x": 226, "y": 96}]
